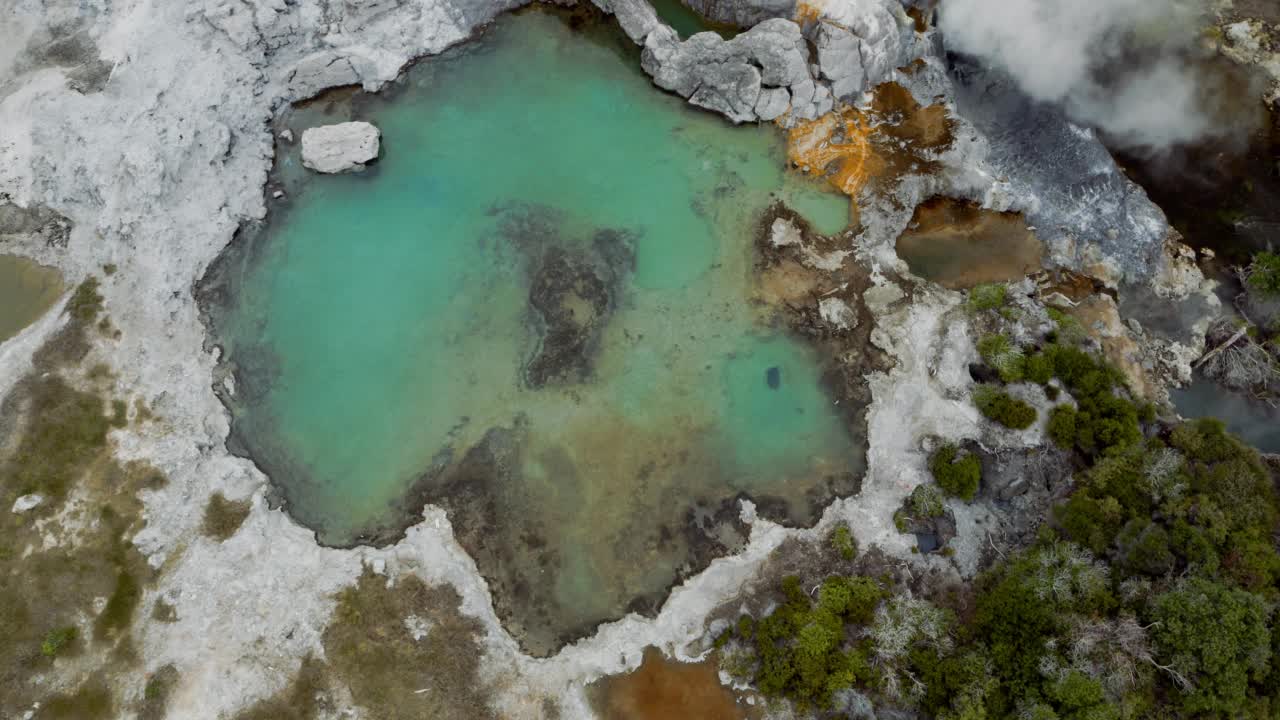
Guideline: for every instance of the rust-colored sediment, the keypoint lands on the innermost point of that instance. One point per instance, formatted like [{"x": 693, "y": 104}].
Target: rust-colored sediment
[
  {"x": 874, "y": 147},
  {"x": 662, "y": 689}
]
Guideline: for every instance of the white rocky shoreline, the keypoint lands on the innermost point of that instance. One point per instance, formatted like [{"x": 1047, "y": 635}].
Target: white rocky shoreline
[{"x": 158, "y": 166}]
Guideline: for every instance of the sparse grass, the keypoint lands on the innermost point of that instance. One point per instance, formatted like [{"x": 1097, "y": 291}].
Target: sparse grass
[
  {"x": 302, "y": 699},
  {"x": 86, "y": 302},
  {"x": 90, "y": 701},
  {"x": 58, "y": 444},
  {"x": 391, "y": 674},
  {"x": 1003, "y": 356},
  {"x": 987, "y": 296},
  {"x": 164, "y": 612},
  {"x": 70, "y": 344},
  {"x": 155, "y": 695},
  {"x": 223, "y": 517},
  {"x": 66, "y": 429},
  {"x": 118, "y": 614}
]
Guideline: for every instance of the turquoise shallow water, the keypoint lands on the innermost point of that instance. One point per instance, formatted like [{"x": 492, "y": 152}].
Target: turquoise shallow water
[{"x": 379, "y": 326}]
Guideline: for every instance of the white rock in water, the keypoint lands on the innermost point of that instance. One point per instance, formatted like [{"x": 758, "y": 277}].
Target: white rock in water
[
  {"x": 27, "y": 502},
  {"x": 344, "y": 147}
]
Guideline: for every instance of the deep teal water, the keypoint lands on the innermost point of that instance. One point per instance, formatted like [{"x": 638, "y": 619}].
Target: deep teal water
[{"x": 384, "y": 318}]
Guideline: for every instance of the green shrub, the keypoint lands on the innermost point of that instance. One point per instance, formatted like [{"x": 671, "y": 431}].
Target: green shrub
[
  {"x": 1003, "y": 356},
  {"x": 802, "y": 649},
  {"x": 1038, "y": 369},
  {"x": 926, "y": 501},
  {"x": 958, "y": 474},
  {"x": 1264, "y": 273},
  {"x": 57, "y": 640},
  {"x": 1003, "y": 408},
  {"x": 987, "y": 296},
  {"x": 843, "y": 542},
  {"x": 1218, "y": 637}
]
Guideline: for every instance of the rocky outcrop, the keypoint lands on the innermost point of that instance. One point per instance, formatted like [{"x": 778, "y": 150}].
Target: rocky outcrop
[
  {"x": 345, "y": 147},
  {"x": 765, "y": 73},
  {"x": 742, "y": 13},
  {"x": 728, "y": 76}
]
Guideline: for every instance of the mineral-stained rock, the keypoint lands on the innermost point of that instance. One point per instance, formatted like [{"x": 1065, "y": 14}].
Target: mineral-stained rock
[{"x": 344, "y": 147}]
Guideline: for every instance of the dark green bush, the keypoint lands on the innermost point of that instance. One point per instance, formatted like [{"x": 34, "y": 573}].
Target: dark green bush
[
  {"x": 803, "y": 649},
  {"x": 1062, "y": 426},
  {"x": 1038, "y": 369},
  {"x": 1218, "y": 637},
  {"x": 1003, "y": 408},
  {"x": 843, "y": 542},
  {"x": 959, "y": 474}
]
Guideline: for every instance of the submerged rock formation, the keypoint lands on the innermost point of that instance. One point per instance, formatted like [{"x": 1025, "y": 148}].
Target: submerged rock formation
[{"x": 344, "y": 147}]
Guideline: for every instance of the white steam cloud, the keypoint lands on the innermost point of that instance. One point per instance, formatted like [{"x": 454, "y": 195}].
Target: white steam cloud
[{"x": 1126, "y": 67}]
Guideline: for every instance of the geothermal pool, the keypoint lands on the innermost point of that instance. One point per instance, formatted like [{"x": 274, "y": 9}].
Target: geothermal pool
[{"x": 535, "y": 311}]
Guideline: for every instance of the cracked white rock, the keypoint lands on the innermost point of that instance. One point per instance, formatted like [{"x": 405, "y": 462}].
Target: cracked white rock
[{"x": 345, "y": 147}]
